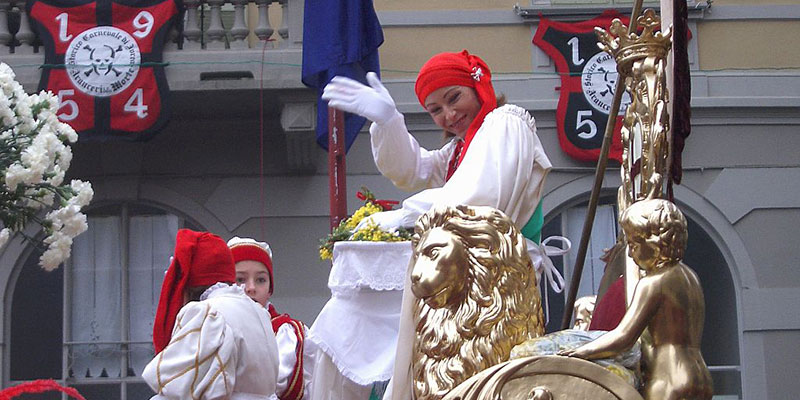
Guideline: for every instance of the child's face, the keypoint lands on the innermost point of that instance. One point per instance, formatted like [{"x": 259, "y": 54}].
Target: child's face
[{"x": 255, "y": 278}]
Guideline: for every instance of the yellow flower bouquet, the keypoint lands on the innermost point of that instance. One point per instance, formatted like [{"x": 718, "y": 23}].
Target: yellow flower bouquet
[{"x": 371, "y": 232}]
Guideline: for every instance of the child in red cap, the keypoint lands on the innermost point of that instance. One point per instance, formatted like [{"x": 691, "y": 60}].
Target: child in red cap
[
  {"x": 211, "y": 340},
  {"x": 254, "y": 271}
]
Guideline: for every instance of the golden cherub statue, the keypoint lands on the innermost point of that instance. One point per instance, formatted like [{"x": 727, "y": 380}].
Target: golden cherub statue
[{"x": 667, "y": 302}]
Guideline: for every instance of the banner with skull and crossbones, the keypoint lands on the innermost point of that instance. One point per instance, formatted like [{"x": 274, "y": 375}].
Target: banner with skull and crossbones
[
  {"x": 588, "y": 79},
  {"x": 103, "y": 59}
]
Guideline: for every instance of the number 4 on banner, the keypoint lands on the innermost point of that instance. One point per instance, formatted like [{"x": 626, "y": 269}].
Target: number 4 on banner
[{"x": 136, "y": 104}]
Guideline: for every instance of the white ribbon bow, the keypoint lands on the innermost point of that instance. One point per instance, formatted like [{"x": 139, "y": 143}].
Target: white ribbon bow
[{"x": 551, "y": 274}]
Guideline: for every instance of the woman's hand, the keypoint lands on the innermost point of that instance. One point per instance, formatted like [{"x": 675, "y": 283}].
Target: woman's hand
[
  {"x": 372, "y": 102},
  {"x": 386, "y": 220}
]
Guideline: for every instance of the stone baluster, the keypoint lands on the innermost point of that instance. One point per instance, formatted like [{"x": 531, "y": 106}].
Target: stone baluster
[
  {"x": 191, "y": 28},
  {"x": 172, "y": 39},
  {"x": 5, "y": 34},
  {"x": 283, "y": 31},
  {"x": 294, "y": 20},
  {"x": 239, "y": 30},
  {"x": 264, "y": 29},
  {"x": 25, "y": 35},
  {"x": 215, "y": 31}
]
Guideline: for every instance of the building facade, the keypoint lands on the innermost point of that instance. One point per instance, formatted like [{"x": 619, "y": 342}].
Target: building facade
[{"x": 239, "y": 157}]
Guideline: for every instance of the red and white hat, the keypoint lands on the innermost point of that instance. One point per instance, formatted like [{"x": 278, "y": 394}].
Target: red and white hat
[
  {"x": 201, "y": 259},
  {"x": 250, "y": 249}
]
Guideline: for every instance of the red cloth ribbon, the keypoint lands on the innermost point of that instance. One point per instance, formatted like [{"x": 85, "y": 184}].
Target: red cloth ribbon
[
  {"x": 385, "y": 205},
  {"x": 455, "y": 161},
  {"x": 38, "y": 386}
]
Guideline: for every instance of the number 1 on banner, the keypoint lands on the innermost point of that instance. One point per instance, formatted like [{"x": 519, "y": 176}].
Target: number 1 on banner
[
  {"x": 136, "y": 104},
  {"x": 63, "y": 19},
  {"x": 576, "y": 55}
]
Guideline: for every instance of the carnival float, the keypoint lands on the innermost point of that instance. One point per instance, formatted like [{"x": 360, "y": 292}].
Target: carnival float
[{"x": 470, "y": 319}]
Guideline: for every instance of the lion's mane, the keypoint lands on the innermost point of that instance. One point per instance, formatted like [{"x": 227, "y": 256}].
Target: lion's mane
[{"x": 501, "y": 309}]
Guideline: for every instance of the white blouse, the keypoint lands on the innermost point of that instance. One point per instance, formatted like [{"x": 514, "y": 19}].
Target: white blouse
[{"x": 504, "y": 167}]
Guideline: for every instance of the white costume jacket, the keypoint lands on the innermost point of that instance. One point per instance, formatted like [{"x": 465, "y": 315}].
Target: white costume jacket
[
  {"x": 222, "y": 347},
  {"x": 504, "y": 167}
]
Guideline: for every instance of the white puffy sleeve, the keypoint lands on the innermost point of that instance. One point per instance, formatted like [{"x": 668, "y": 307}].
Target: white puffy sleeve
[
  {"x": 287, "y": 351},
  {"x": 400, "y": 158},
  {"x": 504, "y": 167},
  {"x": 200, "y": 360}
]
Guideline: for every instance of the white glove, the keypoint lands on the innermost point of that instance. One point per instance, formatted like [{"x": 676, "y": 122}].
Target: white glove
[
  {"x": 386, "y": 220},
  {"x": 372, "y": 102}
]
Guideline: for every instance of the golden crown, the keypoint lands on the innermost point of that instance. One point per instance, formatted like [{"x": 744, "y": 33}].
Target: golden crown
[{"x": 627, "y": 48}]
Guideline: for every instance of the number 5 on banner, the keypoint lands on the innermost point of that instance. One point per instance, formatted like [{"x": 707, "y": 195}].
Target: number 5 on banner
[
  {"x": 62, "y": 95},
  {"x": 136, "y": 104},
  {"x": 581, "y": 122}
]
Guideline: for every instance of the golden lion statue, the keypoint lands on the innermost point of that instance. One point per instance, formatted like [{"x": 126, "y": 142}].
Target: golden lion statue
[{"x": 476, "y": 296}]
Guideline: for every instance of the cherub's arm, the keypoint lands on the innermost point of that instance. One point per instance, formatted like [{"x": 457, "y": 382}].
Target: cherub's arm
[{"x": 643, "y": 307}]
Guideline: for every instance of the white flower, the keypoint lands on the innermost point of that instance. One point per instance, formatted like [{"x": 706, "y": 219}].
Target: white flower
[
  {"x": 58, "y": 251},
  {"x": 64, "y": 158},
  {"x": 58, "y": 177},
  {"x": 36, "y": 157},
  {"x": 67, "y": 132},
  {"x": 15, "y": 174},
  {"x": 68, "y": 220},
  {"x": 84, "y": 193}
]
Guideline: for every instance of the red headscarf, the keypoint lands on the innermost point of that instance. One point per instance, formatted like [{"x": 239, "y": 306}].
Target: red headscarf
[
  {"x": 201, "y": 259},
  {"x": 462, "y": 69}
]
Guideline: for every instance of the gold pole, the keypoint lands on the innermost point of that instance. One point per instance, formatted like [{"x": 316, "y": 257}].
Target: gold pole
[{"x": 598, "y": 183}]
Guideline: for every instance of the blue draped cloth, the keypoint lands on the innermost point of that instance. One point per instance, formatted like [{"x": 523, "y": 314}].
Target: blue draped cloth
[{"x": 340, "y": 37}]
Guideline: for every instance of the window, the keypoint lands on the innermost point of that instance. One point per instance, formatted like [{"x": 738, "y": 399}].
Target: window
[
  {"x": 94, "y": 316},
  {"x": 570, "y": 224}
]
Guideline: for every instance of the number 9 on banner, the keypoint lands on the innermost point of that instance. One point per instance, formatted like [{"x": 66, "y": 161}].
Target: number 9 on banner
[{"x": 143, "y": 23}]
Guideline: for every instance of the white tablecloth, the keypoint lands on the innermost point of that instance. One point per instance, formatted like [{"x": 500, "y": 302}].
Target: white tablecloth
[{"x": 358, "y": 327}]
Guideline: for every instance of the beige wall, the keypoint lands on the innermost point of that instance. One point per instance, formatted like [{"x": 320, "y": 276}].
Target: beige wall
[
  {"x": 505, "y": 48},
  {"x": 392, "y": 5},
  {"x": 748, "y": 44}
]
